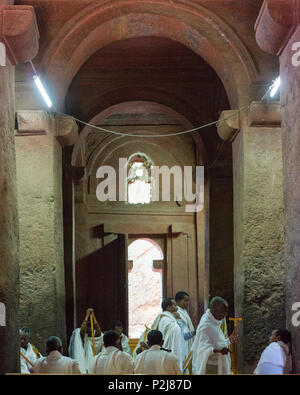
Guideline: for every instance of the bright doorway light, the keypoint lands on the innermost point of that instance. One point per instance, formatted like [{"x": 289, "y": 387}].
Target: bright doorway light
[{"x": 144, "y": 285}]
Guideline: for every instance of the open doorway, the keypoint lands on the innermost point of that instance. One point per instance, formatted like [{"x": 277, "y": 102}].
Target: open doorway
[{"x": 145, "y": 284}]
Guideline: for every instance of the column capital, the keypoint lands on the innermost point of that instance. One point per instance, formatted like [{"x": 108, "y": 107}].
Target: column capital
[
  {"x": 277, "y": 21},
  {"x": 19, "y": 33},
  {"x": 66, "y": 130},
  {"x": 32, "y": 122},
  {"x": 264, "y": 114},
  {"x": 228, "y": 124}
]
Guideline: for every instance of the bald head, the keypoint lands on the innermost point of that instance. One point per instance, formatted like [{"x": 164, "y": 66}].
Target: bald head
[{"x": 218, "y": 307}]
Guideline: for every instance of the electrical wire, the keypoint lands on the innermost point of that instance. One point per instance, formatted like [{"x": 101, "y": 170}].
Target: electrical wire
[{"x": 156, "y": 135}]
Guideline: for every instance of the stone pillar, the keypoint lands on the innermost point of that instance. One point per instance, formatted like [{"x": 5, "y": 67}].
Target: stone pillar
[
  {"x": 82, "y": 240},
  {"x": 258, "y": 230},
  {"x": 278, "y": 33},
  {"x": 39, "y": 184},
  {"x": 19, "y": 43}
]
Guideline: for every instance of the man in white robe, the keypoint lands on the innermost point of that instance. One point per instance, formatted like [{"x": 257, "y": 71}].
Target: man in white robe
[
  {"x": 118, "y": 327},
  {"x": 211, "y": 349},
  {"x": 276, "y": 357},
  {"x": 182, "y": 300},
  {"x": 81, "y": 342},
  {"x": 55, "y": 362},
  {"x": 167, "y": 324},
  {"x": 155, "y": 360},
  {"x": 112, "y": 360},
  {"x": 28, "y": 353}
]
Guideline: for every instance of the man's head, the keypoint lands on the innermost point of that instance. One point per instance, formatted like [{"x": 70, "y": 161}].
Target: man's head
[
  {"x": 280, "y": 335},
  {"x": 218, "y": 308},
  {"x": 111, "y": 338},
  {"x": 53, "y": 344},
  {"x": 182, "y": 299},
  {"x": 169, "y": 304},
  {"x": 155, "y": 337},
  {"x": 117, "y": 326},
  {"x": 25, "y": 336}
]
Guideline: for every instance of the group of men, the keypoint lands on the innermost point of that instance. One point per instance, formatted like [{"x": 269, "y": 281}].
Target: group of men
[{"x": 170, "y": 346}]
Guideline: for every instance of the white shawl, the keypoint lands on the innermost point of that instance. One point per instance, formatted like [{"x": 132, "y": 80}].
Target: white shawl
[
  {"x": 112, "y": 361},
  {"x": 143, "y": 338},
  {"x": 275, "y": 358},
  {"x": 156, "y": 361},
  {"x": 31, "y": 356},
  {"x": 209, "y": 336},
  {"x": 125, "y": 344},
  {"x": 83, "y": 353},
  {"x": 55, "y": 363},
  {"x": 172, "y": 335},
  {"x": 184, "y": 315}
]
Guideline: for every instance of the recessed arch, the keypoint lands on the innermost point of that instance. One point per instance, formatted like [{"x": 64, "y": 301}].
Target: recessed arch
[
  {"x": 77, "y": 155},
  {"x": 192, "y": 25}
]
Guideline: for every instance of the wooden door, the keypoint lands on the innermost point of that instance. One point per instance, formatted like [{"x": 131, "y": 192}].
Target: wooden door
[{"x": 103, "y": 284}]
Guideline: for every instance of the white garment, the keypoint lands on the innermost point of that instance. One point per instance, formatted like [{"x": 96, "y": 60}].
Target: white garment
[
  {"x": 56, "y": 363},
  {"x": 112, "y": 361},
  {"x": 156, "y": 361},
  {"x": 173, "y": 339},
  {"x": 184, "y": 315},
  {"x": 143, "y": 338},
  {"x": 125, "y": 344},
  {"x": 31, "y": 356},
  {"x": 275, "y": 359},
  {"x": 209, "y": 337},
  {"x": 83, "y": 352}
]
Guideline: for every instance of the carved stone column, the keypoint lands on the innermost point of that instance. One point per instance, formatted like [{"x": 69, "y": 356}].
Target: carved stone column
[
  {"x": 39, "y": 184},
  {"x": 278, "y": 33},
  {"x": 19, "y": 43},
  {"x": 258, "y": 228}
]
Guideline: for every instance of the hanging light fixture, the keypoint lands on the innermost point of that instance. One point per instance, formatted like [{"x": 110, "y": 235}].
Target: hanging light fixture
[
  {"x": 40, "y": 87},
  {"x": 274, "y": 87}
]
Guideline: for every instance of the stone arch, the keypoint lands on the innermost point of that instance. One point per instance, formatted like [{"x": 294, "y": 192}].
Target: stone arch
[
  {"x": 192, "y": 25},
  {"x": 78, "y": 156}
]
